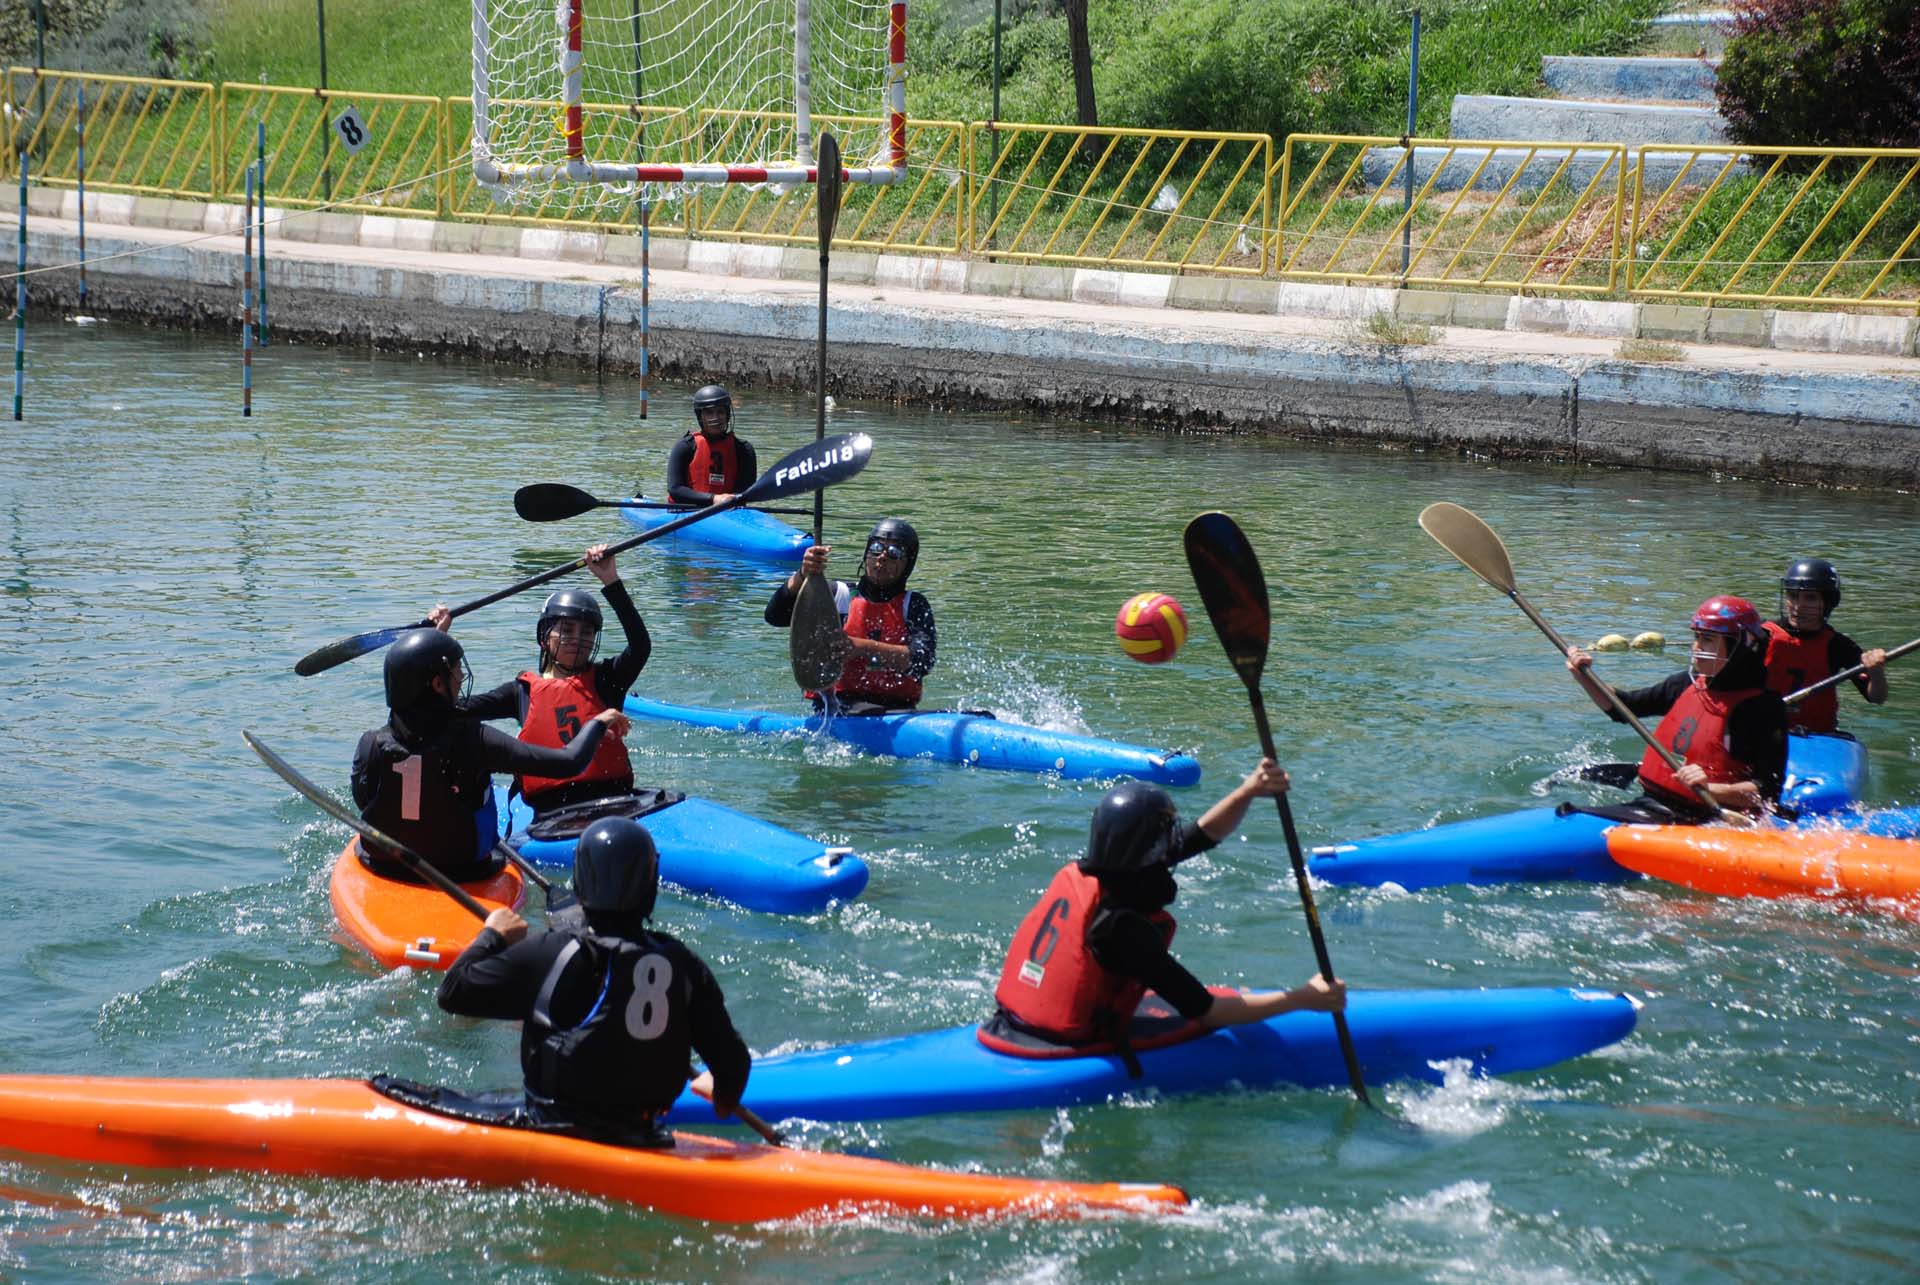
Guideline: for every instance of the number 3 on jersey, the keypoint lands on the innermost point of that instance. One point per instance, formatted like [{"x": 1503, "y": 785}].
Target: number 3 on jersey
[{"x": 648, "y": 1010}]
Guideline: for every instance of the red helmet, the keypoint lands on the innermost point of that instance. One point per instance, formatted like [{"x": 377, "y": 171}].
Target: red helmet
[{"x": 1726, "y": 614}]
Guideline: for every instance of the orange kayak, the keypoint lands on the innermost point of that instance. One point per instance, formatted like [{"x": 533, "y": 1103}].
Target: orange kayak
[
  {"x": 412, "y": 924},
  {"x": 1772, "y": 863},
  {"x": 344, "y": 1129}
]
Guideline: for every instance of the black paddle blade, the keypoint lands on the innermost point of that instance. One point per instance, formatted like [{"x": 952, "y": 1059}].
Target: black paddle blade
[
  {"x": 818, "y": 640},
  {"x": 1227, "y": 574},
  {"x": 339, "y": 653},
  {"x": 1621, "y": 776},
  {"x": 552, "y": 502},
  {"x": 827, "y": 187},
  {"x": 827, "y": 462}
]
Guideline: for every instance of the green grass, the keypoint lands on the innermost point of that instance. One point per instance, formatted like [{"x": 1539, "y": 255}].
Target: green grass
[{"x": 383, "y": 46}]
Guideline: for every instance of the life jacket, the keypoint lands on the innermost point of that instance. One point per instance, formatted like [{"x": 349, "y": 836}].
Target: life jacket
[
  {"x": 1696, "y": 730},
  {"x": 1051, "y": 981},
  {"x": 884, "y": 622},
  {"x": 438, "y": 801},
  {"x": 557, "y": 708},
  {"x": 715, "y": 467},
  {"x": 626, "y": 1060},
  {"x": 1794, "y": 661}
]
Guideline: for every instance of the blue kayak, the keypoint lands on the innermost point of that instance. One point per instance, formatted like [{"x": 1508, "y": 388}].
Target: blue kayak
[
  {"x": 1399, "y": 1035},
  {"x": 713, "y": 850},
  {"x": 1824, "y": 775},
  {"x": 747, "y": 531},
  {"x": 950, "y": 736}
]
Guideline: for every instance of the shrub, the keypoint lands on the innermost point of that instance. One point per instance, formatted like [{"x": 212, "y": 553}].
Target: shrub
[{"x": 1823, "y": 73}]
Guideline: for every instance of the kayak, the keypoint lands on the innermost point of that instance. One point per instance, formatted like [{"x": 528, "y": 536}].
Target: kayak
[
  {"x": 949, "y": 736},
  {"x": 746, "y": 531},
  {"x": 1824, "y": 774},
  {"x": 1773, "y": 863},
  {"x": 1397, "y": 1034},
  {"x": 717, "y": 852},
  {"x": 347, "y": 1129},
  {"x": 403, "y": 924}
]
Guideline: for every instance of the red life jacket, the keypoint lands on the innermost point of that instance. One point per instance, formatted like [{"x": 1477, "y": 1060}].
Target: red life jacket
[
  {"x": 715, "y": 468},
  {"x": 557, "y": 708},
  {"x": 1793, "y": 662},
  {"x": 1696, "y": 730},
  {"x": 1051, "y": 981},
  {"x": 885, "y": 622}
]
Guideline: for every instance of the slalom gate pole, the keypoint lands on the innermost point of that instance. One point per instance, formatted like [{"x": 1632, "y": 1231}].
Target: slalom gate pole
[
  {"x": 20, "y": 294},
  {"x": 261, "y": 165},
  {"x": 246, "y": 306}
]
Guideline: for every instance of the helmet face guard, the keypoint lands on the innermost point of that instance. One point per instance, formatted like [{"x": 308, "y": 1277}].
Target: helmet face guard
[
  {"x": 1731, "y": 618},
  {"x": 418, "y": 657},
  {"x": 1816, "y": 574},
  {"x": 711, "y": 397},
  {"x": 567, "y": 604}
]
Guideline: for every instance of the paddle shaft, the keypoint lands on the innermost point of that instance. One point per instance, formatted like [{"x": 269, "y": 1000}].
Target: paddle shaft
[
  {"x": 1613, "y": 698},
  {"x": 1794, "y": 698},
  {"x": 1299, "y": 861},
  {"x": 688, "y": 508}
]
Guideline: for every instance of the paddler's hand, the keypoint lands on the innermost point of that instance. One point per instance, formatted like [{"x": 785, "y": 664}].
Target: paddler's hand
[
  {"x": 1321, "y": 996},
  {"x": 1267, "y": 781},
  {"x": 1875, "y": 659},
  {"x": 719, "y": 499},
  {"x": 1691, "y": 775},
  {"x": 814, "y": 561},
  {"x": 616, "y": 723},
  {"x": 1578, "y": 660},
  {"x": 702, "y": 1086},
  {"x": 507, "y": 924},
  {"x": 441, "y": 618},
  {"x": 600, "y": 562}
]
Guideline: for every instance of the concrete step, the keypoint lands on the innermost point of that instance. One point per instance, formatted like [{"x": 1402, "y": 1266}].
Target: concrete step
[
  {"x": 1684, "y": 80},
  {"x": 1700, "y": 31},
  {"x": 1456, "y": 167},
  {"x": 1572, "y": 120}
]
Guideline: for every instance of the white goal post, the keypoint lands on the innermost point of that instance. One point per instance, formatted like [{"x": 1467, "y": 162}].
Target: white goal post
[{"x": 626, "y": 93}]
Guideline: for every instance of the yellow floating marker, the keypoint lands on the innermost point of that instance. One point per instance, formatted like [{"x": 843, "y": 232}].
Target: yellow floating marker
[
  {"x": 1612, "y": 642},
  {"x": 1648, "y": 641}
]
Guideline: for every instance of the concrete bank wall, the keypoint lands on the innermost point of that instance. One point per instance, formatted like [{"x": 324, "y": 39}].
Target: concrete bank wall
[{"x": 1850, "y": 429}]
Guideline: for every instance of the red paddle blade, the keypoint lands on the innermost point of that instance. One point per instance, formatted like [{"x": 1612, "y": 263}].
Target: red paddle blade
[{"x": 1227, "y": 574}]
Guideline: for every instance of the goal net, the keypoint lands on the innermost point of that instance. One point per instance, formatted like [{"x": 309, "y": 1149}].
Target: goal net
[{"x": 627, "y": 93}]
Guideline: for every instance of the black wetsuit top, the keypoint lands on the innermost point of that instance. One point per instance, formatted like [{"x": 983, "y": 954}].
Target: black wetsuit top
[
  {"x": 680, "y": 460},
  {"x": 493, "y": 979},
  {"x": 1756, "y": 730},
  {"x": 1124, "y": 941}
]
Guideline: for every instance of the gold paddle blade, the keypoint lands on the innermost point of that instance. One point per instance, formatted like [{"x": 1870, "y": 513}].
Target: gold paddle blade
[{"x": 1461, "y": 533}]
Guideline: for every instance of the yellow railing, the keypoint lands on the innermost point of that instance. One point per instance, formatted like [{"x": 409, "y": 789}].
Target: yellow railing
[
  {"x": 1712, "y": 224},
  {"x": 1122, "y": 198},
  {"x": 1775, "y": 224},
  {"x": 1496, "y": 214}
]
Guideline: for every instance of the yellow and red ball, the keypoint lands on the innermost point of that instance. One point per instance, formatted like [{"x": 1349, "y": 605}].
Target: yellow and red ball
[{"x": 1151, "y": 628}]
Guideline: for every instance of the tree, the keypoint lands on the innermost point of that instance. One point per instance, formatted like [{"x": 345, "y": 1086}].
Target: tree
[{"x": 1081, "y": 49}]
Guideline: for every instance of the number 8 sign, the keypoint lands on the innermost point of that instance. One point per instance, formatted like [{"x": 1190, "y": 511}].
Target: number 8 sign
[{"x": 351, "y": 129}]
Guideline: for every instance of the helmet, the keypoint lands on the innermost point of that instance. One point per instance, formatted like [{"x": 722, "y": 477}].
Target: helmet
[
  {"x": 900, "y": 532},
  {"x": 710, "y": 396},
  {"x": 616, "y": 868},
  {"x": 567, "y": 604},
  {"x": 1734, "y": 617},
  {"x": 1132, "y": 828},
  {"x": 416, "y": 658},
  {"x": 1814, "y": 573}
]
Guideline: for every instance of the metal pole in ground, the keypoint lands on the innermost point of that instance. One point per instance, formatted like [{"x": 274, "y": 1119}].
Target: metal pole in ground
[
  {"x": 246, "y": 306},
  {"x": 1413, "y": 105},
  {"x": 20, "y": 298},
  {"x": 326, "y": 152},
  {"x": 993, "y": 133},
  {"x": 80, "y": 128},
  {"x": 39, "y": 80},
  {"x": 645, "y": 281},
  {"x": 261, "y": 165}
]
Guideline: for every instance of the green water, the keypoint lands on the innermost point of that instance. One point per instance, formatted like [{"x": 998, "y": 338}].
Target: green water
[{"x": 165, "y": 561}]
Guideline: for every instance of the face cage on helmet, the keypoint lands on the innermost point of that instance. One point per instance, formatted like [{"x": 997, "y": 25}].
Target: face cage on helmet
[{"x": 546, "y": 632}]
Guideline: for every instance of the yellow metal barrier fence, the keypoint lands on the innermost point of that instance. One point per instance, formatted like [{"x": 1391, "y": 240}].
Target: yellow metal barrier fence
[
  {"x": 1541, "y": 217},
  {"x": 1778, "y": 225},
  {"x": 402, "y": 167},
  {"x": 1121, "y": 198},
  {"x": 148, "y": 137}
]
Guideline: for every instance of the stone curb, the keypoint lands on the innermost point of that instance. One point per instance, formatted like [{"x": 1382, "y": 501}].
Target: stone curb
[{"x": 1829, "y": 332}]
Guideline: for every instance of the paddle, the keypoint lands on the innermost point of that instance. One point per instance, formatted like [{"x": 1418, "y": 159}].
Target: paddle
[
  {"x": 422, "y": 867},
  {"x": 1467, "y": 538},
  {"x": 1619, "y": 775},
  {"x": 556, "y": 502},
  {"x": 808, "y": 469},
  {"x": 1793, "y": 698},
  {"x": 826, "y": 203},
  {"x": 1228, "y": 576}
]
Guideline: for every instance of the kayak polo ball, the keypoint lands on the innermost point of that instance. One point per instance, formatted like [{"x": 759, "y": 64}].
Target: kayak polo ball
[{"x": 1151, "y": 628}]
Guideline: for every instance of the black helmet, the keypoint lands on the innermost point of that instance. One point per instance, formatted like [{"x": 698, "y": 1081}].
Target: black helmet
[
  {"x": 900, "y": 532},
  {"x": 416, "y": 658},
  {"x": 616, "y": 869},
  {"x": 1813, "y": 573},
  {"x": 567, "y": 604},
  {"x": 710, "y": 396},
  {"x": 1132, "y": 829}
]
